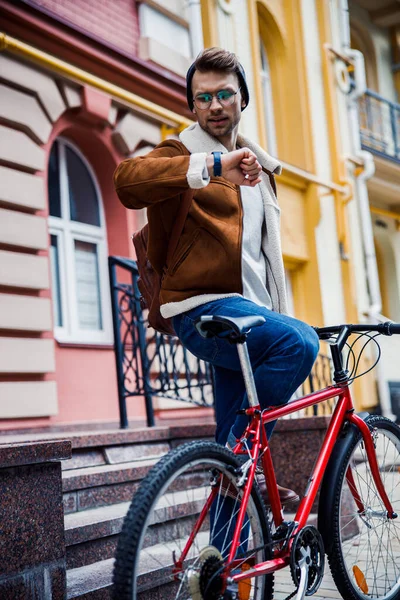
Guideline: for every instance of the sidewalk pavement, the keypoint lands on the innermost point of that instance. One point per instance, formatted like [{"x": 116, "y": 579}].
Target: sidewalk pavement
[{"x": 284, "y": 586}]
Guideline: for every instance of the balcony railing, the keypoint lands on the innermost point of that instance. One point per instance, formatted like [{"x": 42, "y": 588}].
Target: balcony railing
[{"x": 380, "y": 125}]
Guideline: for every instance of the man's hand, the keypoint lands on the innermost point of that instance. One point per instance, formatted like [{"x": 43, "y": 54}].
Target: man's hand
[{"x": 239, "y": 166}]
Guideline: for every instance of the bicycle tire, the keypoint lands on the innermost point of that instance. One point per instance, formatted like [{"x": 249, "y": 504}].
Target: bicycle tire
[
  {"x": 162, "y": 515},
  {"x": 363, "y": 549}
]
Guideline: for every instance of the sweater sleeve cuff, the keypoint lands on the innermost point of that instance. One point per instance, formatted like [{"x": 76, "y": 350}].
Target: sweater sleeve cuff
[{"x": 197, "y": 175}]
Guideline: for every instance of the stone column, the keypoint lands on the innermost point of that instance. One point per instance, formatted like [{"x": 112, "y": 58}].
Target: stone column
[{"x": 32, "y": 547}]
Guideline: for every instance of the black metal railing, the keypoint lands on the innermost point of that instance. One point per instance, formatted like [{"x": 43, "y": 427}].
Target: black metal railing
[
  {"x": 153, "y": 366},
  {"x": 380, "y": 125},
  {"x": 149, "y": 364},
  {"x": 319, "y": 378}
]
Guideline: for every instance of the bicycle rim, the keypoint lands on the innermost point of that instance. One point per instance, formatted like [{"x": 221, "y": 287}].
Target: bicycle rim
[
  {"x": 370, "y": 542},
  {"x": 168, "y": 506}
]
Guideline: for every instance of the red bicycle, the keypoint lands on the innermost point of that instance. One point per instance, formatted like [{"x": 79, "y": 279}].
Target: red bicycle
[{"x": 198, "y": 528}]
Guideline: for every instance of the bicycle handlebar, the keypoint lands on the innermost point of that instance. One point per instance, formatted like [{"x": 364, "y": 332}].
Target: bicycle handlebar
[
  {"x": 344, "y": 331},
  {"x": 388, "y": 328}
]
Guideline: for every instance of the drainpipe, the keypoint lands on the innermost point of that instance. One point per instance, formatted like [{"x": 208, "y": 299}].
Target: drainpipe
[
  {"x": 360, "y": 86},
  {"x": 195, "y": 26}
]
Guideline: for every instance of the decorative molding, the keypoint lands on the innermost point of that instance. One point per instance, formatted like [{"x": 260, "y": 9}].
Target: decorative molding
[
  {"x": 131, "y": 130},
  {"x": 25, "y": 113},
  {"x": 28, "y": 399},
  {"x": 68, "y": 70},
  {"x": 18, "y": 149},
  {"x": 20, "y": 229},
  {"x": 24, "y": 270},
  {"x": 26, "y": 355},
  {"x": 22, "y": 189},
  {"x": 25, "y": 313},
  {"x": 33, "y": 80}
]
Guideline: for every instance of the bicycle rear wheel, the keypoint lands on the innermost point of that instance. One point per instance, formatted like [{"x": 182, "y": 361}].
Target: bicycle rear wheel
[
  {"x": 364, "y": 547},
  {"x": 162, "y": 517}
]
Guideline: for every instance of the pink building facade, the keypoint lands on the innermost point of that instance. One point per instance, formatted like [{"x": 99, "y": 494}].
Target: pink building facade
[{"x": 62, "y": 135}]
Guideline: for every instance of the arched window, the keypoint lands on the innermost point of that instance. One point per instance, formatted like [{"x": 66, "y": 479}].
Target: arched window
[
  {"x": 265, "y": 76},
  {"x": 78, "y": 249}
]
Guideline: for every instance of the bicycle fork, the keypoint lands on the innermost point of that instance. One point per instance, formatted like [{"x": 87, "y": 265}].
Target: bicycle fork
[{"x": 371, "y": 454}]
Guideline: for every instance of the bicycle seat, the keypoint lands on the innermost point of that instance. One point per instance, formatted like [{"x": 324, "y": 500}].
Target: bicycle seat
[{"x": 233, "y": 328}]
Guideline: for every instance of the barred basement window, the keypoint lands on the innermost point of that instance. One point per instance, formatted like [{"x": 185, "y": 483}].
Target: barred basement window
[{"x": 78, "y": 249}]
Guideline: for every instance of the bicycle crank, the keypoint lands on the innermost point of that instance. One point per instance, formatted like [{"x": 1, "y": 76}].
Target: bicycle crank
[{"x": 307, "y": 561}]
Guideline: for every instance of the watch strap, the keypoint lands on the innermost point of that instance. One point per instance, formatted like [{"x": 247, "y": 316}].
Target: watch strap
[{"x": 217, "y": 164}]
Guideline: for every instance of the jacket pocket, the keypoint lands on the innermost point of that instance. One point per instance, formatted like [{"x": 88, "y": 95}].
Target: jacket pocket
[{"x": 183, "y": 253}]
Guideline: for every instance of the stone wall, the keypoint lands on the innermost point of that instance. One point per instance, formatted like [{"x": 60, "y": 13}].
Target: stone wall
[{"x": 32, "y": 546}]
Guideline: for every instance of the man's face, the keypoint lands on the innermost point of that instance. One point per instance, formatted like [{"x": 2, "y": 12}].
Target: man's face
[{"x": 217, "y": 120}]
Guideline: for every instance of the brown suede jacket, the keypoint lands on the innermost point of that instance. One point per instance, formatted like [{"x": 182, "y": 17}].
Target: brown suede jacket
[{"x": 208, "y": 256}]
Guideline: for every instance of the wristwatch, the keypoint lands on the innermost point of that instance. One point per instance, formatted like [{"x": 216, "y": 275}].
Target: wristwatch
[{"x": 217, "y": 164}]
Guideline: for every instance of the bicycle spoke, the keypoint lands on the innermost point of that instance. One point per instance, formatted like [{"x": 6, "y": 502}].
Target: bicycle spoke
[{"x": 370, "y": 540}]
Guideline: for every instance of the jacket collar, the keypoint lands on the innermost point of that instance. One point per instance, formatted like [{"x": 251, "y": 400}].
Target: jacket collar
[{"x": 197, "y": 140}]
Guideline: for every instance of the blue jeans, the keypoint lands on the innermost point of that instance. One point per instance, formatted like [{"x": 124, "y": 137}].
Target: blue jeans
[{"x": 282, "y": 352}]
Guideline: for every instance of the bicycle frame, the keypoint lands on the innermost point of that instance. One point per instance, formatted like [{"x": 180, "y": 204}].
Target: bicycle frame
[
  {"x": 344, "y": 411},
  {"x": 258, "y": 448}
]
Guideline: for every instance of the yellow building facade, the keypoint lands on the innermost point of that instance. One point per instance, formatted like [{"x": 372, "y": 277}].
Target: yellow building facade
[{"x": 304, "y": 80}]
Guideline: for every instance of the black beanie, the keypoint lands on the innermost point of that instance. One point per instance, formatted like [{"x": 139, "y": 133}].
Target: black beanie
[{"x": 242, "y": 81}]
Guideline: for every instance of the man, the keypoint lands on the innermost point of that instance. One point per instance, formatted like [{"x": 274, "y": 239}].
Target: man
[{"x": 228, "y": 260}]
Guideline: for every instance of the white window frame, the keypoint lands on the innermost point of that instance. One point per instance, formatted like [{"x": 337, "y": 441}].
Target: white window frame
[
  {"x": 268, "y": 101},
  {"x": 67, "y": 231}
]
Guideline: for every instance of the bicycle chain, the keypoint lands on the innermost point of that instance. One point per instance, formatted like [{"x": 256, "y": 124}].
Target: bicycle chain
[
  {"x": 292, "y": 595},
  {"x": 252, "y": 552}
]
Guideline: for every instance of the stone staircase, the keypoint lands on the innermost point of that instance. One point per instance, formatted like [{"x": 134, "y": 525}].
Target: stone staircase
[
  {"x": 99, "y": 481},
  {"x": 106, "y": 469}
]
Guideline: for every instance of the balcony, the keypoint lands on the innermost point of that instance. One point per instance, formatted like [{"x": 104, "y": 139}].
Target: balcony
[{"x": 380, "y": 125}]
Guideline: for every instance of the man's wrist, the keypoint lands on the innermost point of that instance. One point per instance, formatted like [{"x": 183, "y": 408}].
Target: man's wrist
[{"x": 210, "y": 164}]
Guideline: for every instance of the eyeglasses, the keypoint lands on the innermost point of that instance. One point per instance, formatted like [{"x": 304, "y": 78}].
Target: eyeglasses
[{"x": 224, "y": 97}]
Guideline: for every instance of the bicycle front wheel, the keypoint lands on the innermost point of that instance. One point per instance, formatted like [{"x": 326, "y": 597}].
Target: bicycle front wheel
[
  {"x": 363, "y": 545},
  {"x": 178, "y": 531}
]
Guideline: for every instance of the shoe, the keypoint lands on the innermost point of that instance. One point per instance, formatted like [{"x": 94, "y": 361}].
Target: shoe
[{"x": 287, "y": 496}]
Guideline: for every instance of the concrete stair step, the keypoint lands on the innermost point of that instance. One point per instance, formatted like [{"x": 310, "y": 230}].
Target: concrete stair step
[
  {"x": 91, "y": 582},
  {"x": 92, "y": 535},
  {"x": 86, "y": 477},
  {"x": 106, "y": 484},
  {"x": 115, "y": 437},
  {"x": 92, "y": 457},
  {"x": 102, "y": 485}
]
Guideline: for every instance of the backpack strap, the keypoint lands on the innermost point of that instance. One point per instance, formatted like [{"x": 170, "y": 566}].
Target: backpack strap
[
  {"x": 179, "y": 224},
  {"x": 271, "y": 180}
]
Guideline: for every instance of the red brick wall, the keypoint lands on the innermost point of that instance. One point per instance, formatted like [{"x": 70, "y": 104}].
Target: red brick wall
[{"x": 114, "y": 21}]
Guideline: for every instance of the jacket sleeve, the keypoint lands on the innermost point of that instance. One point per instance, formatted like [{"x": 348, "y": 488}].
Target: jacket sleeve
[{"x": 162, "y": 174}]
